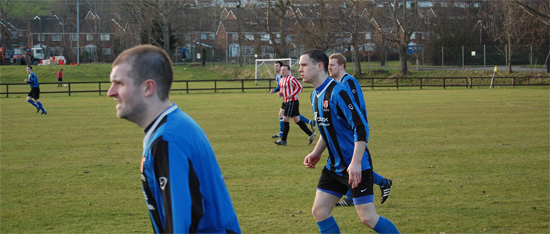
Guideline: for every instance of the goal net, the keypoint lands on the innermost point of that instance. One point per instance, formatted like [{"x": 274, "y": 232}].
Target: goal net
[{"x": 264, "y": 67}]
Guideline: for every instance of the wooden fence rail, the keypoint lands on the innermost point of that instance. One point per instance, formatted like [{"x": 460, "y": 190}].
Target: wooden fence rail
[{"x": 268, "y": 84}]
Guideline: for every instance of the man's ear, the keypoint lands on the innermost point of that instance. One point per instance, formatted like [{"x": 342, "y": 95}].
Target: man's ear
[
  {"x": 150, "y": 87},
  {"x": 320, "y": 66}
]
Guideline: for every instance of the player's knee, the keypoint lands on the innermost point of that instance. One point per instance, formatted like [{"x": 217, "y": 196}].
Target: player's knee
[
  {"x": 369, "y": 221},
  {"x": 319, "y": 213}
]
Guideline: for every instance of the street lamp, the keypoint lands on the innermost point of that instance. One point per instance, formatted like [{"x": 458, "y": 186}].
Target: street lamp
[{"x": 39, "y": 35}]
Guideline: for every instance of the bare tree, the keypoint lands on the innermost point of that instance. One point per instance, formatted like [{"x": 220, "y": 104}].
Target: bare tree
[
  {"x": 511, "y": 24},
  {"x": 316, "y": 25},
  {"x": 156, "y": 19},
  {"x": 277, "y": 21},
  {"x": 401, "y": 24}
]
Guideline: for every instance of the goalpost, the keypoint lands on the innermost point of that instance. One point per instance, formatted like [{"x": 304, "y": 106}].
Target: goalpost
[{"x": 268, "y": 65}]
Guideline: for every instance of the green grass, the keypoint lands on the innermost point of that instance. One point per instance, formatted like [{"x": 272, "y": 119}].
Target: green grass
[{"x": 462, "y": 161}]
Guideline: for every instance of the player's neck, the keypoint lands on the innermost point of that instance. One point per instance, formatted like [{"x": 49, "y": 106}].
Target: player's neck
[
  {"x": 154, "y": 111},
  {"x": 321, "y": 78}
]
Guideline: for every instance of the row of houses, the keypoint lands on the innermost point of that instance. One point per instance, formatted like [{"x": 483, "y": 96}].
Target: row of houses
[{"x": 236, "y": 31}]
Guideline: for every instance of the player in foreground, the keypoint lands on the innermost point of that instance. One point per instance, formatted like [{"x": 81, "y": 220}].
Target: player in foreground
[
  {"x": 32, "y": 80},
  {"x": 337, "y": 70},
  {"x": 344, "y": 132},
  {"x": 182, "y": 182},
  {"x": 290, "y": 89},
  {"x": 277, "y": 67}
]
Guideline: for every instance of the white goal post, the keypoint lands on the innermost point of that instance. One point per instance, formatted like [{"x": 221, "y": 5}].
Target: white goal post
[{"x": 269, "y": 66}]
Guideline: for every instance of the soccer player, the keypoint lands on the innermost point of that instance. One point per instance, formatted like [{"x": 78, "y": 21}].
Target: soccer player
[
  {"x": 182, "y": 181},
  {"x": 344, "y": 132},
  {"x": 290, "y": 89},
  {"x": 60, "y": 77},
  {"x": 277, "y": 66},
  {"x": 337, "y": 70},
  {"x": 32, "y": 80}
]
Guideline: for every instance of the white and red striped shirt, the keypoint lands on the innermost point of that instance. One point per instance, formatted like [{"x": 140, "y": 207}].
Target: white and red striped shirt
[{"x": 290, "y": 88}]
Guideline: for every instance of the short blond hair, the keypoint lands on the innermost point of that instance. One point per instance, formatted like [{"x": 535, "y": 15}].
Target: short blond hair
[{"x": 341, "y": 59}]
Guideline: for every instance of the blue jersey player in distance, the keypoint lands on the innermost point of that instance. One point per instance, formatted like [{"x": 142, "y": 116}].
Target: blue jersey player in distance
[
  {"x": 182, "y": 181},
  {"x": 337, "y": 70},
  {"x": 344, "y": 133}
]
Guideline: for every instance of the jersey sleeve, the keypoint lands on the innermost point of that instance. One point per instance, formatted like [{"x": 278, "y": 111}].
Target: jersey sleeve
[
  {"x": 171, "y": 165},
  {"x": 353, "y": 116}
]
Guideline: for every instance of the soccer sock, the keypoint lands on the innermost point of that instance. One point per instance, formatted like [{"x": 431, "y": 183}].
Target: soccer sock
[
  {"x": 32, "y": 103},
  {"x": 385, "y": 226},
  {"x": 378, "y": 179},
  {"x": 328, "y": 226},
  {"x": 304, "y": 128},
  {"x": 305, "y": 120},
  {"x": 285, "y": 130},
  {"x": 281, "y": 125},
  {"x": 348, "y": 194},
  {"x": 41, "y": 107}
]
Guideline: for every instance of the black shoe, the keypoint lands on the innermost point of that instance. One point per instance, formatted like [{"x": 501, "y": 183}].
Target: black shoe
[
  {"x": 278, "y": 135},
  {"x": 37, "y": 110},
  {"x": 280, "y": 142},
  {"x": 385, "y": 191},
  {"x": 345, "y": 202},
  {"x": 44, "y": 113}
]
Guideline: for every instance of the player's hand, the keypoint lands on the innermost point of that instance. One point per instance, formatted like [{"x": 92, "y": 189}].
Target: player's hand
[
  {"x": 354, "y": 172},
  {"x": 311, "y": 160},
  {"x": 271, "y": 91},
  {"x": 25, "y": 80},
  {"x": 279, "y": 94}
]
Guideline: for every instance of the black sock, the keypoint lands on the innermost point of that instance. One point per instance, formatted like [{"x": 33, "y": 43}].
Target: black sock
[
  {"x": 286, "y": 128},
  {"x": 304, "y": 128}
]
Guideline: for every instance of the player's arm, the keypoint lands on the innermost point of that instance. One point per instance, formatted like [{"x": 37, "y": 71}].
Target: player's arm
[
  {"x": 296, "y": 87},
  {"x": 313, "y": 158},
  {"x": 354, "y": 168}
]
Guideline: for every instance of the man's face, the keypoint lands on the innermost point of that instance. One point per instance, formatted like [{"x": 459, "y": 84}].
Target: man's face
[
  {"x": 284, "y": 71},
  {"x": 277, "y": 67},
  {"x": 334, "y": 69},
  {"x": 29, "y": 70},
  {"x": 308, "y": 70},
  {"x": 131, "y": 105}
]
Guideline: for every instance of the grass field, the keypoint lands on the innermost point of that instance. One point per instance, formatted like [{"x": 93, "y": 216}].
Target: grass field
[{"x": 462, "y": 161}]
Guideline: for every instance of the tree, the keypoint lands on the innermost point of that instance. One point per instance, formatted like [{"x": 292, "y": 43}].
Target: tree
[
  {"x": 403, "y": 21},
  {"x": 316, "y": 25},
  {"x": 156, "y": 19},
  {"x": 6, "y": 8},
  {"x": 276, "y": 21}
]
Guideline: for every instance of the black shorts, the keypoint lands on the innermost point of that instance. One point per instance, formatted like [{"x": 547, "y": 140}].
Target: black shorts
[
  {"x": 34, "y": 93},
  {"x": 59, "y": 79},
  {"x": 291, "y": 108},
  {"x": 337, "y": 185}
]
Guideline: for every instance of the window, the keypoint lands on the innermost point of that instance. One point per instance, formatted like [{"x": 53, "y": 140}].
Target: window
[
  {"x": 204, "y": 36},
  {"x": 105, "y": 37},
  {"x": 248, "y": 50},
  {"x": 368, "y": 36},
  {"x": 73, "y": 37},
  {"x": 265, "y": 37},
  {"x": 249, "y": 36},
  {"x": 56, "y": 37},
  {"x": 89, "y": 37},
  {"x": 106, "y": 51},
  {"x": 41, "y": 37}
]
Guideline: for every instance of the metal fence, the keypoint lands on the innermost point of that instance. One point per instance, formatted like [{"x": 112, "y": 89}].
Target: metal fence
[{"x": 242, "y": 85}]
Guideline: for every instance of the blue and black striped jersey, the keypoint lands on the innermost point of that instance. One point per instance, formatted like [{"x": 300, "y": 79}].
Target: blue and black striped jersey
[
  {"x": 355, "y": 88},
  {"x": 340, "y": 123},
  {"x": 32, "y": 80},
  {"x": 182, "y": 181}
]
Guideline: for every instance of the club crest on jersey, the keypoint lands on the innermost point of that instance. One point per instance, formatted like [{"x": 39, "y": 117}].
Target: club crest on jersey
[{"x": 325, "y": 104}]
